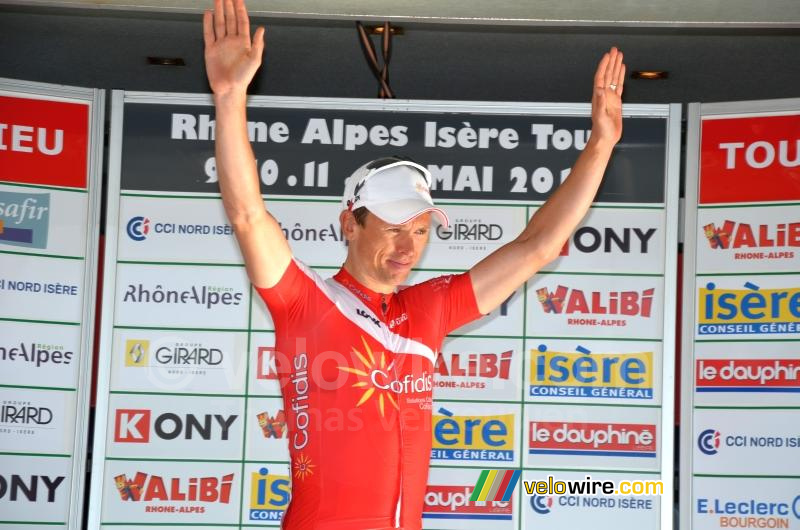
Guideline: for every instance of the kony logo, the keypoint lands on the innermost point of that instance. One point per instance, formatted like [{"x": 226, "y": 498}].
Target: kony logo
[
  {"x": 589, "y": 240},
  {"x": 708, "y": 441},
  {"x": 733, "y": 236},
  {"x": 134, "y": 426},
  {"x": 145, "y": 487},
  {"x": 747, "y": 375},
  {"x": 452, "y": 502},
  {"x": 30, "y": 488},
  {"x": 266, "y": 367},
  {"x": 592, "y": 439}
]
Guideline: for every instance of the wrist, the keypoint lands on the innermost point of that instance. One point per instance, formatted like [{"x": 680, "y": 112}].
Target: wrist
[
  {"x": 232, "y": 97},
  {"x": 602, "y": 145}
]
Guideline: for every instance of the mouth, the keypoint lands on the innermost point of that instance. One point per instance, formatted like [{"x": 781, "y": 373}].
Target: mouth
[{"x": 399, "y": 265}]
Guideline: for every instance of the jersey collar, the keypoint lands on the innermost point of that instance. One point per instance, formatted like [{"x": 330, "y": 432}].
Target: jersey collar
[{"x": 374, "y": 300}]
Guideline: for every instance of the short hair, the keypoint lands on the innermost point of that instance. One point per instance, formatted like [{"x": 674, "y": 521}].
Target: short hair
[{"x": 361, "y": 214}]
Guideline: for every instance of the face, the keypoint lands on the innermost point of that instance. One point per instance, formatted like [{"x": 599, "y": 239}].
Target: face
[{"x": 382, "y": 253}]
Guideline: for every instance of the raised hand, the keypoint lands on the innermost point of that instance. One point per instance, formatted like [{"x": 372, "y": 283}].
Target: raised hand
[
  {"x": 607, "y": 97},
  {"x": 232, "y": 58}
]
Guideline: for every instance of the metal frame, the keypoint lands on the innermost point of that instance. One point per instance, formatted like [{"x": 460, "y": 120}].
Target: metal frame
[
  {"x": 671, "y": 113},
  {"x": 96, "y": 100}
]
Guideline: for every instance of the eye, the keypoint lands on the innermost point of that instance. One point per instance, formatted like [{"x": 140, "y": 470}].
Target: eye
[
  {"x": 393, "y": 229},
  {"x": 422, "y": 231}
]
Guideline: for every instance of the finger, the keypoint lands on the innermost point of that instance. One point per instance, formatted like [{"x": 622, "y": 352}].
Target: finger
[
  {"x": 600, "y": 74},
  {"x": 242, "y": 20},
  {"x": 230, "y": 18},
  {"x": 621, "y": 80},
  {"x": 617, "y": 67},
  {"x": 258, "y": 42},
  {"x": 219, "y": 19},
  {"x": 612, "y": 58},
  {"x": 208, "y": 28}
]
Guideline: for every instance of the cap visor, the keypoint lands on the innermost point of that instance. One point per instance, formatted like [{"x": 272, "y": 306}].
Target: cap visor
[{"x": 400, "y": 212}]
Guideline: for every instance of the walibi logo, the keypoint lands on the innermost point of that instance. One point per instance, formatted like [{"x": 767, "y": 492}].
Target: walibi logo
[
  {"x": 138, "y": 228},
  {"x": 542, "y": 504},
  {"x": 24, "y": 219},
  {"x": 708, "y": 441}
]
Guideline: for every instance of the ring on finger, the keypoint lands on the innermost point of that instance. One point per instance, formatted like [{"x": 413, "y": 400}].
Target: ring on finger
[{"x": 612, "y": 86}]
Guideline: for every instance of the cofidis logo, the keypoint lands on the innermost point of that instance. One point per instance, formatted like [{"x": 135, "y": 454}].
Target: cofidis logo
[
  {"x": 473, "y": 438},
  {"x": 269, "y": 495},
  {"x": 452, "y": 502},
  {"x": 751, "y": 310},
  {"x": 747, "y": 375},
  {"x": 591, "y": 375},
  {"x": 592, "y": 439},
  {"x": 765, "y": 241},
  {"x": 24, "y": 219},
  {"x": 596, "y": 308},
  {"x": 750, "y": 513}
]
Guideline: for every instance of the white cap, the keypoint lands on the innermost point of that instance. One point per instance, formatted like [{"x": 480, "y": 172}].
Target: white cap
[{"x": 394, "y": 189}]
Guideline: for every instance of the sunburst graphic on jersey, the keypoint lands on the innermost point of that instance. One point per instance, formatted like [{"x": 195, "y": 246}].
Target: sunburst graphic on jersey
[
  {"x": 369, "y": 363},
  {"x": 303, "y": 467}
]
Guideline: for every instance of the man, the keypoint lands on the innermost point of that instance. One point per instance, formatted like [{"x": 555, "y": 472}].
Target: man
[{"x": 357, "y": 357}]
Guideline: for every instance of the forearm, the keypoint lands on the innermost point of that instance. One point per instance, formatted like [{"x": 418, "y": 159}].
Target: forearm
[
  {"x": 236, "y": 166},
  {"x": 553, "y": 223}
]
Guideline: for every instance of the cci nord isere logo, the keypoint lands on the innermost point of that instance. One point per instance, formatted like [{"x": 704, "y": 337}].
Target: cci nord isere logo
[
  {"x": 708, "y": 441},
  {"x": 138, "y": 228}
]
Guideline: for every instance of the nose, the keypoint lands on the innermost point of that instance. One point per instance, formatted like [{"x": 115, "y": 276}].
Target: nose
[{"x": 404, "y": 244}]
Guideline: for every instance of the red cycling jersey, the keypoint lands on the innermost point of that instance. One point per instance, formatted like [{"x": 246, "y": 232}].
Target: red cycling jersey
[{"x": 356, "y": 369}]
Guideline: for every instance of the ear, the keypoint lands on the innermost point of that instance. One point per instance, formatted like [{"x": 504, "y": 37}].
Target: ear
[{"x": 349, "y": 225}]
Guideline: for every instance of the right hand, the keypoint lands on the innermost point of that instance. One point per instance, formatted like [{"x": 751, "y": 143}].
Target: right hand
[{"x": 231, "y": 57}]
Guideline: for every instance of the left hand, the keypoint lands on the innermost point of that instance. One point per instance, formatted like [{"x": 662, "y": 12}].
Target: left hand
[{"x": 607, "y": 98}]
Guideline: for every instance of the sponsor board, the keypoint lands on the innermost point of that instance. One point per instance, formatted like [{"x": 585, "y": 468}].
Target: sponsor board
[
  {"x": 505, "y": 320},
  {"x": 46, "y": 222},
  {"x": 179, "y": 361},
  {"x": 267, "y": 493},
  {"x": 312, "y": 230},
  {"x": 170, "y": 492},
  {"x": 735, "y": 307},
  {"x": 736, "y": 152},
  {"x": 589, "y": 511},
  {"x": 745, "y": 503},
  {"x": 34, "y": 489},
  {"x": 142, "y": 426},
  {"x": 614, "y": 240},
  {"x": 447, "y": 506},
  {"x": 748, "y": 239},
  {"x": 740, "y": 442},
  {"x": 593, "y": 372},
  {"x": 478, "y": 369},
  {"x": 31, "y": 288},
  {"x": 37, "y": 421},
  {"x": 39, "y": 354},
  {"x": 474, "y": 434},
  {"x": 44, "y": 142},
  {"x": 474, "y": 233},
  {"x": 267, "y": 430},
  {"x": 570, "y": 436},
  {"x": 159, "y": 296},
  {"x": 599, "y": 306},
  {"x": 263, "y": 370},
  {"x": 747, "y": 374},
  {"x": 168, "y": 229}
]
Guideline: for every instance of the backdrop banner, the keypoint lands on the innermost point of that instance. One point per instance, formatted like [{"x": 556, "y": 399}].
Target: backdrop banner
[
  {"x": 740, "y": 446},
  {"x": 51, "y": 144},
  {"x": 190, "y": 418}
]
